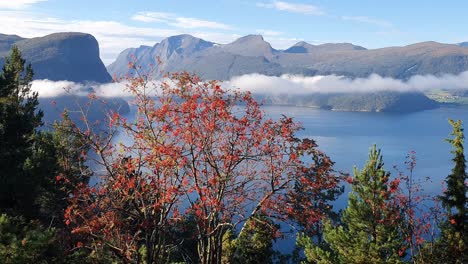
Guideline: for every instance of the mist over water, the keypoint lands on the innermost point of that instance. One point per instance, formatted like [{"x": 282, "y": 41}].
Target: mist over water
[
  {"x": 48, "y": 88},
  {"x": 296, "y": 84},
  {"x": 284, "y": 84}
]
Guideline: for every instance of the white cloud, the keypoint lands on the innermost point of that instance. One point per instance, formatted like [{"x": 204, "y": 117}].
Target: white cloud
[
  {"x": 293, "y": 7},
  {"x": 113, "y": 36},
  {"x": 187, "y": 22},
  {"x": 367, "y": 20},
  {"x": 285, "y": 84},
  {"x": 295, "y": 84},
  {"x": 18, "y": 4},
  {"x": 48, "y": 89},
  {"x": 177, "y": 21}
]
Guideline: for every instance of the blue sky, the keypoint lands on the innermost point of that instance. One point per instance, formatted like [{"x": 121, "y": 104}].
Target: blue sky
[{"x": 119, "y": 24}]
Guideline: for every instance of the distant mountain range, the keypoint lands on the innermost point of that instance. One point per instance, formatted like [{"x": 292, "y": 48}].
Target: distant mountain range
[
  {"x": 60, "y": 56},
  {"x": 252, "y": 54},
  {"x": 75, "y": 57}
]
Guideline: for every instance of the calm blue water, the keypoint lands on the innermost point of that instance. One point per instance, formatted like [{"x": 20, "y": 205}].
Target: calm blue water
[{"x": 347, "y": 136}]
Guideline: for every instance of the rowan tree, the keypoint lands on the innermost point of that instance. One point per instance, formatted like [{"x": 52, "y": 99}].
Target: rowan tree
[
  {"x": 316, "y": 188},
  {"x": 195, "y": 149},
  {"x": 419, "y": 212}
]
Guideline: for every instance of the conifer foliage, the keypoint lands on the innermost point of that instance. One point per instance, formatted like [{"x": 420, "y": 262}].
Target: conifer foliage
[
  {"x": 19, "y": 119},
  {"x": 369, "y": 230},
  {"x": 454, "y": 198},
  {"x": 38, "y": 170},
  {"x": 454, "y": 241}
]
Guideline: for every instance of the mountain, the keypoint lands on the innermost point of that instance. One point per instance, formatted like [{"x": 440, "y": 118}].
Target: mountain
[
  {"x": 60, "y": 56},
  {"x": 66, "y": 56},
  {"x": 361, "y": 102},
  {"x": 209, "y": 60},
  {"x": 386, "y": 101},
  {"x": 250, "y": 45},
  {"x": 301, "y": 47},
  {"x": 6, "y": 41},
  {"x": 252, "y": 54},
  {"x": 463, "y": 44},
  {"x": 304, "y": 47},
  {"x": 396, "y": 62},
  {"x": 172, "y": 52}
]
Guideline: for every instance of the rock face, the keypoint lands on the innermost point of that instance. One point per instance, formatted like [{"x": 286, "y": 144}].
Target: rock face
[
  {"x": 60, "y": 56},
  {"x": 172, "y": 52},
  {"x": 250, "y": 45},
  {"x": 252, "y": 54}
]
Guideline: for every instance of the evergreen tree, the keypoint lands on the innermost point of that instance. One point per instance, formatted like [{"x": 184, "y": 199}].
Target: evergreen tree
[
  {"x": 452, "y": 245},
  {"x": 369, "y": 230},
  {"x": 26, "y": 242},
  {"x": 454, "y": 198},
  {"x": 254, "y": 245},
  {"x": 19, "y": 119},
  {"x": 57, "y": 163},
  {"x": 38, "y": 169}
]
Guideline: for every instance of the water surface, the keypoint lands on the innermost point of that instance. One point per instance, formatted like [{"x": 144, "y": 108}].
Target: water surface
[{"x": 347, "y": 136}]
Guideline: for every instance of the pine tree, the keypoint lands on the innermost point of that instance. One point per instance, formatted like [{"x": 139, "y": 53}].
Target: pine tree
[
  {"x": 453, "y": 242},
  {"x": 57, "y": 163},
  {"x": 38, "y": 169},
  {"x": 24, "y": 242},
  {"x": 19, "y": 119},
  {"x": 369, "y": 230},
  {"x": 254, "y": 245},
  {"x": 454, "y": 199}
]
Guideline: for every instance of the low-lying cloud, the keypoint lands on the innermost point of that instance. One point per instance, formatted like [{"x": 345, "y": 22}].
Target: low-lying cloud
[
  {"x": 284, "y": 84},
  {"x": 296, "y": 84},
  {"x": 47, "y": 88}
]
